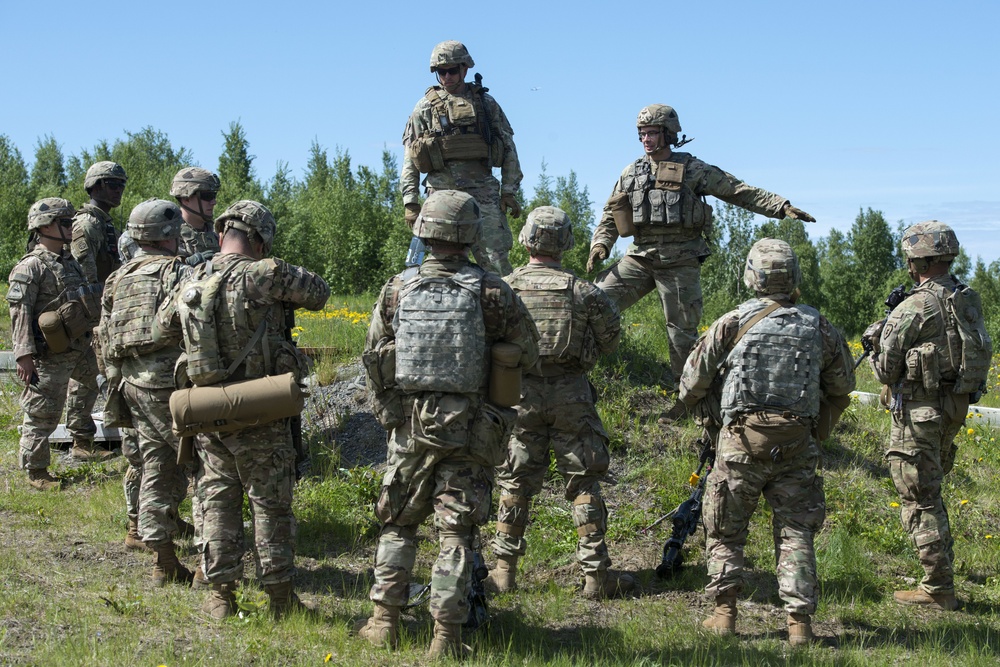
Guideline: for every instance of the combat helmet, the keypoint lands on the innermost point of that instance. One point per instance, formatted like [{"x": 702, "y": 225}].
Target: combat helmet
[
  {"x": 189, "y": 181},
  {"x": 659, "y": 115},
  {"x": 451, "y": 216},
  {"x": 154, "y": 220},
  {"x": 772, "y": 268},
  {"x": 48, "y": 210},
  {"x": 547, "y": 231},
  {"x": 248, "y": 216},
  {"x": 450, "y": 53},
  {"x": 102, "y": 170},
  {"x": 930, "y": 239}
]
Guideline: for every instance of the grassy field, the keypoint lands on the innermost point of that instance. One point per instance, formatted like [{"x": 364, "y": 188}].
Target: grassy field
[{"x": 72, "y": 595}]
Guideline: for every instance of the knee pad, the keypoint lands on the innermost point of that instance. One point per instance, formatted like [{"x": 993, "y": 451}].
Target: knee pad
[
  {"x": 512, "y": 515},
  {"x": 590, "y": 516}
]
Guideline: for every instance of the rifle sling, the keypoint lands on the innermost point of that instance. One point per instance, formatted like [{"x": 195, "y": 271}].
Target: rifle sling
[{"x": 775, "y": 305}]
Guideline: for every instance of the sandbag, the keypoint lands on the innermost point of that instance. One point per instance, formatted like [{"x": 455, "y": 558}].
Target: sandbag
[
  {"x": 505, "y": 375},
  {"x": 232, "y": 406}
]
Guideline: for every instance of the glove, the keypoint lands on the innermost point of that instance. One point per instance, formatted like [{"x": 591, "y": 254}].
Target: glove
[
  {"x": 509, "y": 204},
  {"x": 790, "y": 211},
  {"x": 198, "y": 258},
  {"x": 411, "y": 213},
  {"x": 873, "y": 334},
  {"x": 597, "y": 254}
]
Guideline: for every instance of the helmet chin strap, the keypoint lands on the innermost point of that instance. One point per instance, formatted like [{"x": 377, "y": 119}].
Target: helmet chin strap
[{"x": 200, "y": 212}]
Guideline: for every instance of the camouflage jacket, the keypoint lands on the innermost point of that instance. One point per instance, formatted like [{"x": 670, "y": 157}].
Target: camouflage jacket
[
  {"x": 711, "y": 353},
  {"x": 153, "y": 370},
  {"x": 458, "y": 174},
  {"x": 592, "y": 328},
  {"x": 95, "y": 243},
  {"x": 36, "y": 284},
  {"x": 255, "y": 291},
  {"x": 197, "y": 240},
  {"x": 701, "y": 179}
]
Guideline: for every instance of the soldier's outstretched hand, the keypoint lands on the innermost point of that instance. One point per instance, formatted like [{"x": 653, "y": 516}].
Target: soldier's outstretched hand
[
  {"x": 597, "y": 254},
  {"x": 797, "y": 214}
]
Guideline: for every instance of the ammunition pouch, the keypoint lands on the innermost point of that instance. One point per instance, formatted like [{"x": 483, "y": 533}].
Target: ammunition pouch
[
  {"x": 469, "y": 146},
  {"x": 53, "y": 331},
  {"x": 621, "y": 211},
  {"x": 233, "y": 406},
  {"x": 490, "y": 431},
  {"x": 923, "y": 369},
  {"x": 505, "y": 375}
]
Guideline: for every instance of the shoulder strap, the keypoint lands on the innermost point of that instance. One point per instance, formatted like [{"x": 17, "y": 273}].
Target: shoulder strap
[{"x": 775, "y": 305}]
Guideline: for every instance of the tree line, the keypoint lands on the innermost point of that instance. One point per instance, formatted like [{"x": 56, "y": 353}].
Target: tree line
[{"x": 346, "y": 223}]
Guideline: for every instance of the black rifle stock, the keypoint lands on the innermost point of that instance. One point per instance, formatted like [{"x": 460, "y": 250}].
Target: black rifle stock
[{"x": 687, "y": 515}]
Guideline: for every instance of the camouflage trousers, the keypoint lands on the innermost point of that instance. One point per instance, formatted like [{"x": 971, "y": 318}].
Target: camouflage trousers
[
  {"x": 743, "y": 471},
  {"x": 419, "y": 481},
  {"x": 920, "y": 436},
  {"x": 132, "y": 480},
  {"x": 163, "y": 483},
  {"x": 556, "y": 414},
  {"x": 493, "y": 246},
  {"x": 43, "y": 404},
  {"x": 679, "y": 287},
  {"x": 260, "y": 462}
]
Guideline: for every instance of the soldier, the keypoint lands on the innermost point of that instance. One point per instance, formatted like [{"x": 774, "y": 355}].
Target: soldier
[
  {"x": 779, "y": 360},
  {"x": 141, "y": 371},
  {"x": 427, "y": 357},
  {"x": 49, "y": 280},
  {"x": 659, "y": 199},
  {"x": 244, "y": 333},
  {"x": 577, "y": 322},
  {"x": 934, "y": 352},
  {"x": 456, "y": 135}
]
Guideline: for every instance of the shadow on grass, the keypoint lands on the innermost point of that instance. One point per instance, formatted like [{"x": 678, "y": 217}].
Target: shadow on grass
[{"x": 957, "y": 635}]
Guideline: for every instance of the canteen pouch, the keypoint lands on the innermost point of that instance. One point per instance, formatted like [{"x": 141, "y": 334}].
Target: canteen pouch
[
  {"x": 621, "y": 211},
  {"x": 53, "y": 331},
  {"x": 505, "y": 375},
  {"x": 232, "y": 406}
]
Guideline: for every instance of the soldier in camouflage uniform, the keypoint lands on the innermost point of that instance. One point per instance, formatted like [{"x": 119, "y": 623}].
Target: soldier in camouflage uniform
[
  {"x": 456, "y": 135},
  {"x": 663, "y": 195},
  {"x": 931, "y": 370},
  {"x": 427, "y": 358},
  {"x": 260, "y": 460},
  {"x": 141, "y": 371},
  {"x": 576, "y": 322},
  {"x": 779, "y": 360},
  {"x": 44, "y": 280}
]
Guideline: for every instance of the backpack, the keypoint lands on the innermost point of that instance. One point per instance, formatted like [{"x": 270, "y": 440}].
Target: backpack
[{"x": 969, "y": 345}]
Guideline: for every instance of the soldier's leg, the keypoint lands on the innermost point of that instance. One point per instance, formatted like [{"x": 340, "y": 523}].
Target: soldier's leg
[
  {"x": 679, "y": 287},
  {"x": 81, "y": 397},
  {"x": 42, "y": 404},
  {"x": 494, "y": 245},
  {"x": 627, "y": 281},
  {"x": 222, "y": 495},
  {"x": 132, "y": 479}
]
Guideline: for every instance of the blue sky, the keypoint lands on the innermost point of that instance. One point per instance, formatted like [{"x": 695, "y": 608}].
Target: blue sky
[{"x": 837, "y": 106}]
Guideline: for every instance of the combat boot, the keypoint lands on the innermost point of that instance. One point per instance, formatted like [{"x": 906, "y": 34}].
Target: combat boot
[
  {"x": 86, "y": 450},
  {"x": 800, "y": 630},
  {"x": 199, "y": 580},
  {"x": 602, "y": 585},
  {"x": 382, "y": 629},
  {"x": 502, "y": 578},
  {"x": 221, "y": 601},
  {"x": 39, "y": 478},
  {"x": 283, "y": 599},
  {"x": 939, "y": 601},
  {"x": 132, "y": 540},
  {"x": 447, "y": 642},
  {"x": 723, "y": 620},
  {"x": 166, "y": 567}
]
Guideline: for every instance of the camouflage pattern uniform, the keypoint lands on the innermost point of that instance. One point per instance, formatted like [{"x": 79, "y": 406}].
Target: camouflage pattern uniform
[
  {"x": 36, "y": 284},
  {"x": 442, "y": 449},
  {"x": 95, "y": 243},
  {"x": 192, "y": 241},
  {"x": 557, "y": 412},
  {"x": 473, "y": 176},
  {"x": 765, "y": 410}
]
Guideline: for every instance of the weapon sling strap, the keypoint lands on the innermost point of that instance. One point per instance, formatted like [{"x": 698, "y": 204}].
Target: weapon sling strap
[{"x": 775, "y": 305}]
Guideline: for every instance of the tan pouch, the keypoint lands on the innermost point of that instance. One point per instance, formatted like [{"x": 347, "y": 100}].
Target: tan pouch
[
  {"x": 669, "y": 176},
  {"x": 621, "y": 211},
  {"x": 233, "y": 406},
  {"x": 75, "y": 318},
  {"x": 930, "y": 373},
  {"x": 505, "y": 375},
  {"x": 53, "y": 331},
  {"x": 464, "y": 147},
  {"x": 426, "y": 154},
  {"x": 763, "y": 433}
]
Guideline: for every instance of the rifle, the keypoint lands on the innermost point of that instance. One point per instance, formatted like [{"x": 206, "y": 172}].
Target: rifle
[
  {"x": 688, "y": 513},
  {"x": 476, "y": 594},
  {"x": 896, "y": 297},
  {"x": 302, "y": 460}
]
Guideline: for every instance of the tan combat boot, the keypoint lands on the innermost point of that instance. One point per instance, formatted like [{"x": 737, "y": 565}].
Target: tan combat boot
[
  {"x": 43, "y": 481},
  {"x": 939, "y": 601},
  {"x": 447, "y": 642},
  {"x": 382, "y": 629},
  {"x": 199, "y": 580},
  {"x": 132, "y": 540},
  {"x": 723, "y": 620},
  {"x": 283, "y": 599},
  {"x": 602, "y": 585},
  {"x": 502, "y": 578},
  {"x": 166, "y": 567},
  {"x": 86, "y": 450},
  {"x": 800, "y": 630},
  {"x": 221, "y": 601}
]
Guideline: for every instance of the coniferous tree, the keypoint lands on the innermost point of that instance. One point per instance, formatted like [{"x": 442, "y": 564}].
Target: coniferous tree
[
  {"x": 48, "y": 173},
  {"x": 15, "y": 200},
  {"x": 236, "y": 170}
]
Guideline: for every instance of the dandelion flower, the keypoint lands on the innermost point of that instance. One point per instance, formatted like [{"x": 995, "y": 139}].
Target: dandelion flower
[
  {"x": 970, "y": 431},
  {"x": 965, "y": 501},
  {"x": 328, "y": 658},
  {"x": 989, "y": 537},
  {"x": 893, "y": 504}
]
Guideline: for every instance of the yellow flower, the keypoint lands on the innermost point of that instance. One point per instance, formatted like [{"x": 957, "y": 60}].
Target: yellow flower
[
  {"x": 989, "y": 537},
  {"x": 964, "y": 502},
  {"x": 893, "y": 504},
  {"x": 971, "y": 431},
  {"x": 328, "y": 658}
]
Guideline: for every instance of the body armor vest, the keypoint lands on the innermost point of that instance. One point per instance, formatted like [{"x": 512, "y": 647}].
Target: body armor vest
[
  {"x": 66, "y": 280},
  {"x": 775, "y": 367},
  {"x": 137, "y": 291},
  {"x": 664, "y": 199},
  {"x": 460, "y": 127},
  {"x": 547, "y": 293},
  {"x": 440, "y": 334}
]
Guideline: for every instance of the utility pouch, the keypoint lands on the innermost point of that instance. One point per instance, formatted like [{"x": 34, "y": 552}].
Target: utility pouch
[
  {"x": 380, "y": 364},
  {"x": 461, "y": 112},
  {"x": 505, "y": 375},
  {"x": 914, "y": 365},
  {"x": 426, "y": 154},
  {"x": 930, "y": 370},
  {"x": 490, "y": 432},
  {"x": 669, "y": 176},
  {"x": 232, "y": 406},
  {"x": 53, "y": 331},
  {"x": 773, "y": 438},
  {"x": 464, "y": 147},
  {"x": 621, "y": 211},
  {"x": 116, "y": 412}
]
